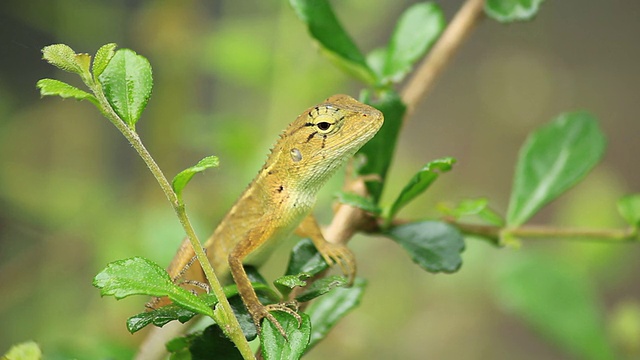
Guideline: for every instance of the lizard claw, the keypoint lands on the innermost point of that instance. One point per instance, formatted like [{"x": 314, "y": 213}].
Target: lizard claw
[
  {"x": 341, "y": 255},
  {"x": 263, "y": 312}
]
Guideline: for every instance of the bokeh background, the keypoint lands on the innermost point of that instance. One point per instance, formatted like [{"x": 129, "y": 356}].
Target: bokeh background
[{"x": 229, "y": 75}]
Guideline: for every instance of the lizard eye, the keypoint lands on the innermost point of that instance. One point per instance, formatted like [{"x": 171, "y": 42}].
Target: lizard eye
[{"x": 324, "y": 125}]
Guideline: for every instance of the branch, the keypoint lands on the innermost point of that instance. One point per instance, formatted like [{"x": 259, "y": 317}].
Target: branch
[
  {"x": 452, "y": 38},
  {"x": 532, "y": 232},
  {"x": 347, "y": 219}
]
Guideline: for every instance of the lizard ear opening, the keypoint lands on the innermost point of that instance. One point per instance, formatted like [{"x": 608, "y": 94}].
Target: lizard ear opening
[{"x": 296, "y": 155}]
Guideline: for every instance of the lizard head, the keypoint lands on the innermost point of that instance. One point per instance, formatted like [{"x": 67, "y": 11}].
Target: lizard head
[{"x": 326, "y": 135}]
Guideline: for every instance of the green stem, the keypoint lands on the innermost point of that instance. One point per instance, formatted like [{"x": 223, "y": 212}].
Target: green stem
[
  {"x": 495, "y": 233},
  {"x": 546, "y": 232},
  {"x": 225, "y": 318}
]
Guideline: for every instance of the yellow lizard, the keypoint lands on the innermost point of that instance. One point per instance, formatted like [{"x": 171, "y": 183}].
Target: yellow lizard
[{"x": 279, "y": 200}]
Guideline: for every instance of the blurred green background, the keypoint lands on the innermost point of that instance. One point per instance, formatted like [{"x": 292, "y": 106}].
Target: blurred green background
[{"x": 229, "y": 75}]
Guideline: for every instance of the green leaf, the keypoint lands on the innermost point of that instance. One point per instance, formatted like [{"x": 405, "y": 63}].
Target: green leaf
[
  {"x": 140, "y": 276},
  {"x": 275, "y": 347},
  {"x": 358, "y": 201},
  {"x": 182, "y": 179},
  {"x": 84, "y": 61},
  {"x": 321, "y": 287},
  {"x": 163, "y": 315},
  {"x": 629, "y": 208},
  {"x": 263, "y": 291},
  {"x": 51, "y": 87},
  {"x": 327, "y": 310},
  {"x": 28, "y": 350},
  {"x": 286, "y": 283},
  {"x": 416, "y": 31},
  {"x": 159, "y": 317},
  {"x": 478, "y": 207},
  {"x": 178, "y": 345},
  {"x": 127, "y": 82},
  {"x": 201, "y": 346},
  {"x": 433, "y": 245},
  {"x": 378, "y": 151},
  {"x": 305, "y": 258},
  {"x": 419, "y": 183},
  {"x": 376, "y": 60},
  {"x": 102, "y": 58},
  {"x": 554, "y": 158},
  {"x": 244, "y": 318},
  {"x": 506, "y": 11},
  {"x": 335, "y": 43},
  {"x": 557, "y": 302},
  {"x": 63, "y": 57}
]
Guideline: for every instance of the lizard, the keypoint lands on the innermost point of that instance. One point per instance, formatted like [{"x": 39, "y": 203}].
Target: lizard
[{"x": 279, "y": 201}]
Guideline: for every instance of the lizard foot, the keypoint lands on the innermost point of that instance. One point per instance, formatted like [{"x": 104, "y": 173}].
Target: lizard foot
[
  {"x": 341, "y": 255},
  {"x": 263, "y": 312}
]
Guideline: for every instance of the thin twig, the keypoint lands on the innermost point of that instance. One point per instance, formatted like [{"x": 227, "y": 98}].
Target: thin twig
[
  {"x": 540, "y": 232},
  {"x": 440, "y": 56}
]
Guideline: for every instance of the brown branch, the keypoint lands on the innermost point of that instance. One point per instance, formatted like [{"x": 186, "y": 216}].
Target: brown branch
[
  {"x": 348, "y": 220},
  {"x": 440, "y": 56}
]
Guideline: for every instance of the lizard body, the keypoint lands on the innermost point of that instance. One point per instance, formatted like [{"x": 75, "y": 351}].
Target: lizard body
[{"x": 279, "y": 200}]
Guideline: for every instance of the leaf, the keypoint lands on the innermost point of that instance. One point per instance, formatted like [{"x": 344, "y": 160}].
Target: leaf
[
  {"x": 376, "y": 60},
  {"x": 358, "y": 201},
  {"x": 182, "y": 179},
  {"x": 419, "y": 183},
  {"x": 286, "y": 283},
  {"x": 140, "y": 276},
  {"x": 159, "y": 317},
  {"x": 254, "y": 275},
  {"x": 506, "y": 11},
  {"x": 557, "y": 302},
  {"x": 275, "y": 347},
  {"x": 127, "y": 82},
  {"x": 305, "y": 258},
  {"x": 433, "y": 245},
  {"x": 321, "y": 287},
  {"x": 327, "y": 310},
  {"x": 244, "y": 318},
  {"x": 201, "y": 346},
  {"x": 179, "y": 345},
  {"x": 378, "y": 151},
  {"x": 102, "y": 58},
  {"x": 63, "y": 57},
  {"x": 416, "y": 31},
  {"x": 335, "y": 43},
  {"x": 51, "y": 87},
  {"x": 28, "y": 350},
  {"x": 165, "y": 314},
  {"x": 554, "y": 158},
  {"x": 478, "y": 207},
  {"x": 84, "y": 61},
  {"x": 263, "y": 291},
  {"x": 629, "y": 208}
]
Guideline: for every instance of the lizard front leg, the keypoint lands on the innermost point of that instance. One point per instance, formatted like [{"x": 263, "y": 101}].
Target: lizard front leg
[
  {"x": 256, "y": 237},
  {"x": 331, "y": 252}
]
